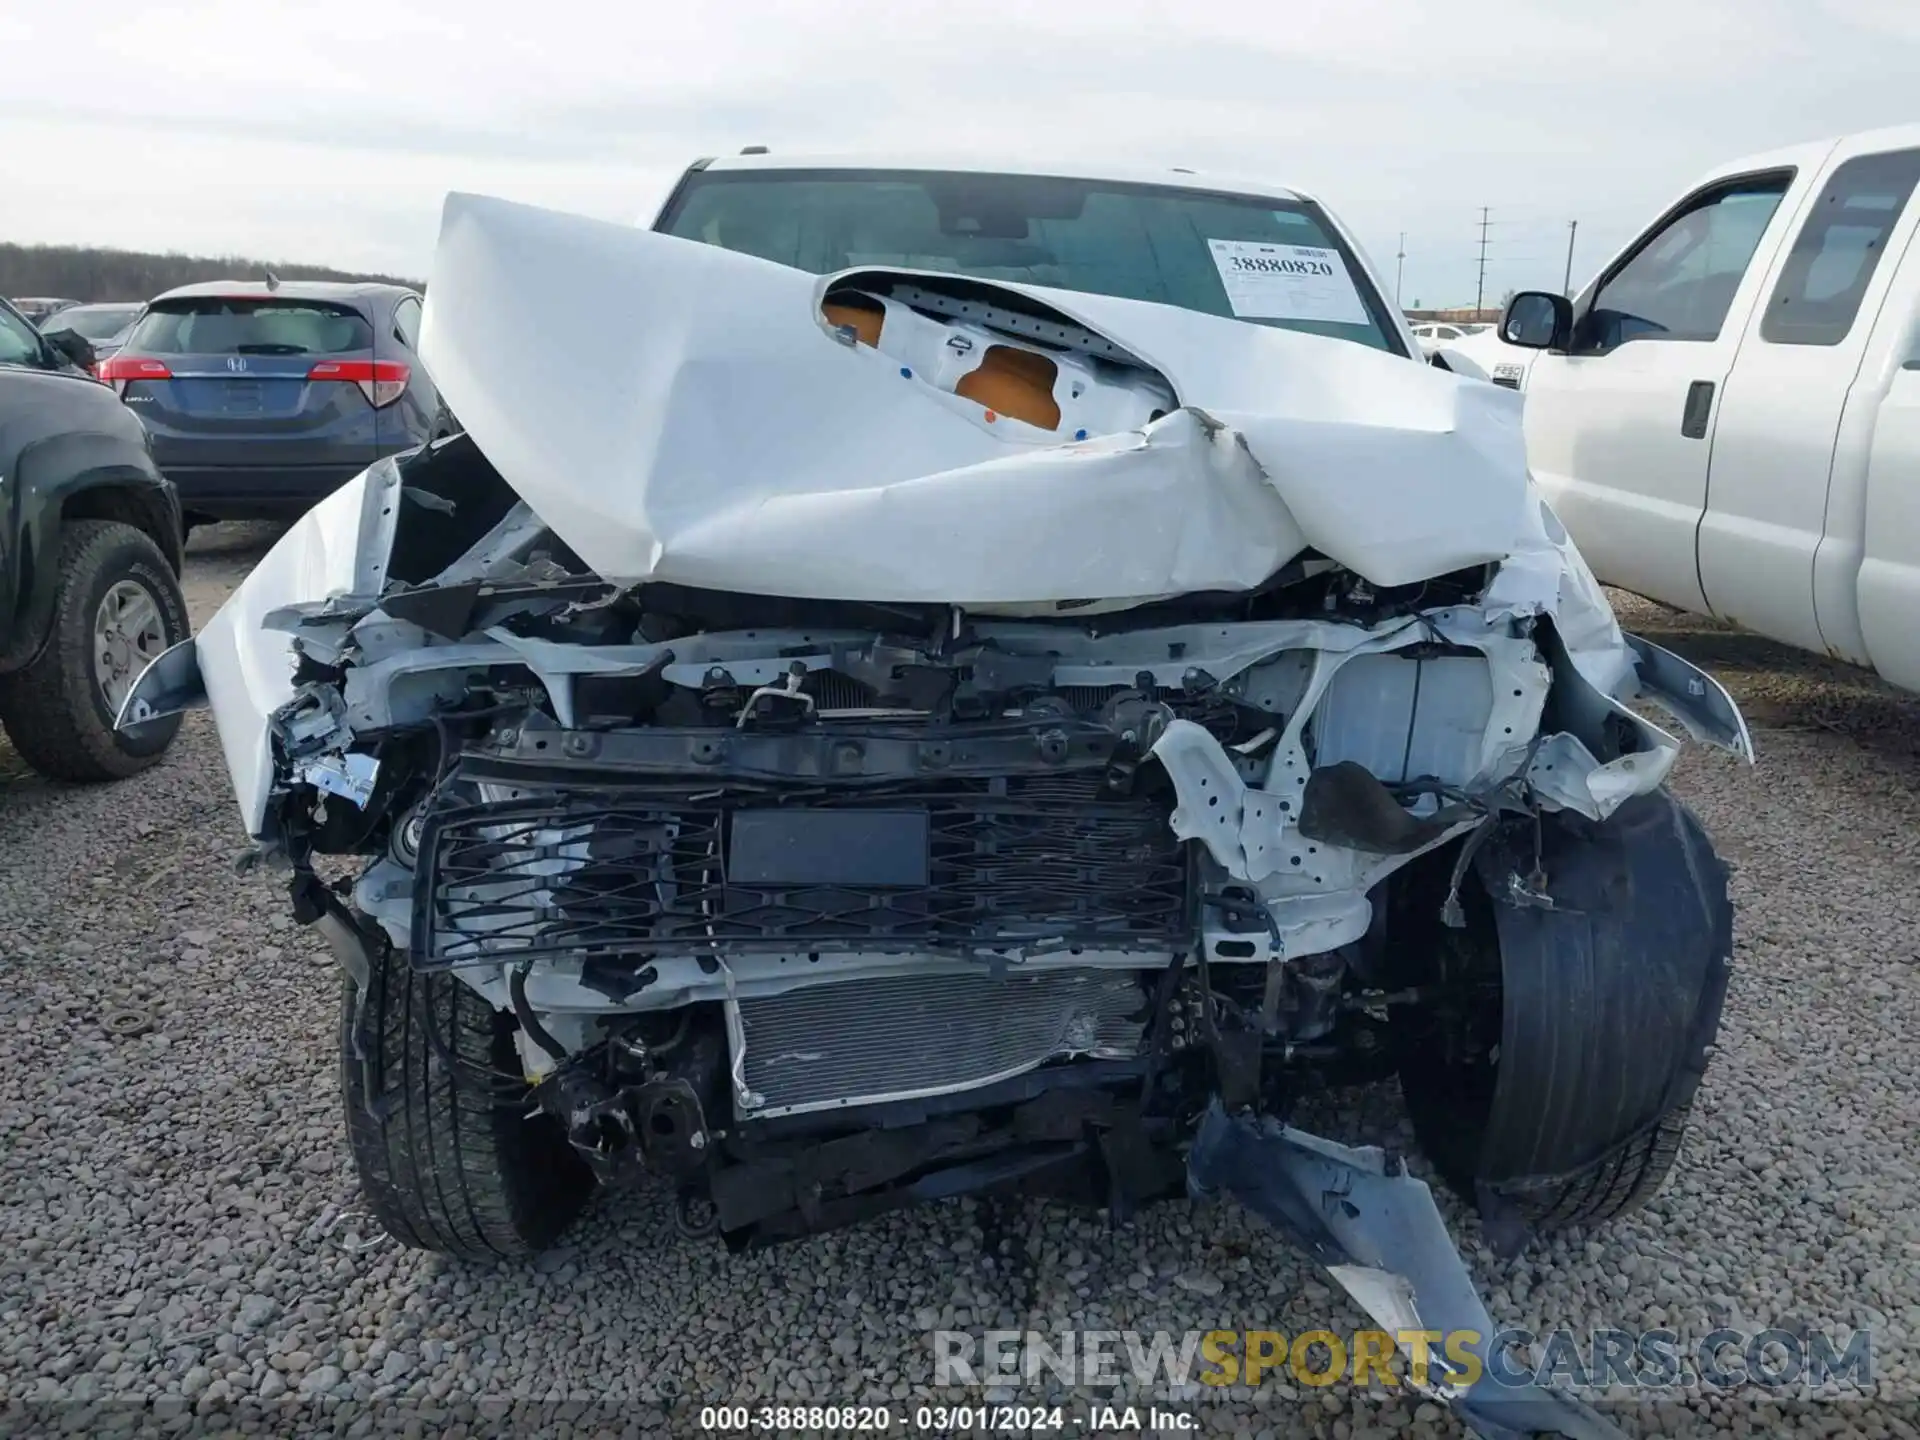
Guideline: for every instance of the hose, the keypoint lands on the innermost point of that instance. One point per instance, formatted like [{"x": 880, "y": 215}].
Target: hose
[{"x": 529, "y": 1022}]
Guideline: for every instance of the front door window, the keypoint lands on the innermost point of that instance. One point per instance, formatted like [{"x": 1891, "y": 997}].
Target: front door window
[{"x": 1680, "y": 283}]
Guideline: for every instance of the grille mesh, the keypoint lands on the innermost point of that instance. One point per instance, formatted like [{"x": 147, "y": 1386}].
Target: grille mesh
[
  {"x": 1010, "y": 863},
  {"x": 868, "y": 1040}
]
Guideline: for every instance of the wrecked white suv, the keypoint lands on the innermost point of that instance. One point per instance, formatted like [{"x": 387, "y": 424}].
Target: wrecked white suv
[{"x": 1007, "y": 683}]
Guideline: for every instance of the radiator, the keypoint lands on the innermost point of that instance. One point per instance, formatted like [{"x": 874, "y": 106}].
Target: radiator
[{"x": 862, "y": 1041}]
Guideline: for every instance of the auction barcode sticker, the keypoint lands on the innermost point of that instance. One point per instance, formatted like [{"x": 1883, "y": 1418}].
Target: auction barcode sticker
[{"x": 1287, "y": 282}]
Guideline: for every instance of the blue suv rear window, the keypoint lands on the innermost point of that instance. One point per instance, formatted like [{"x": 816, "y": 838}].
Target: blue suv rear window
[{"x": 242, "y": 325}]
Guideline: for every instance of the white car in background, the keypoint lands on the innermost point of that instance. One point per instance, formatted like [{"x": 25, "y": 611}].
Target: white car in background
[
  {"x": 1434, "y": 333},
  {"x": 103, "y": 326}
]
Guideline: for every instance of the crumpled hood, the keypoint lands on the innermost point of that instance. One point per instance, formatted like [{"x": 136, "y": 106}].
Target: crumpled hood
[
  {"x": 683, "y": 413},
  {"x": 732, "y": 440}
]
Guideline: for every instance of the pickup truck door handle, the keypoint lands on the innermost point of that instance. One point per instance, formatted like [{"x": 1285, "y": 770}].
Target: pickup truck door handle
[{"x": 1693, "y": 420}]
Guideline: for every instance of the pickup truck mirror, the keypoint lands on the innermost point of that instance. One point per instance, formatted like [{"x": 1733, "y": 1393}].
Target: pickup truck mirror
[
  {"x": 72, "y": 345},
  {"x": 1538, "y": 320}
]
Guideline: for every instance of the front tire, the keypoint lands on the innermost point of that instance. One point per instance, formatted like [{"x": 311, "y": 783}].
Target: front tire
[
  {"x": 447, "y": 1156},
  {"x": 117, "y": 607},
  {"x": 1449, "y": 1060},
  {"x": 1552, "y": 1072}
]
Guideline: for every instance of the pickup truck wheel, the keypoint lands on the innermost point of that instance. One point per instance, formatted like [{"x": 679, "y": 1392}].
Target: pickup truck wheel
[
  {"x": 448, "y": 1158},
  {"x": 118, "y": 607}
]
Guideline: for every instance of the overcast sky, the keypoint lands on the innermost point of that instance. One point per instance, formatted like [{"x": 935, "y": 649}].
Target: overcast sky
[{"x": 328, "y": 132}]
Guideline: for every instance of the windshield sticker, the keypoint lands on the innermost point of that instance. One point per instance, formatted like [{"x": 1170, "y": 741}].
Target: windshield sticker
[{"x": 1287, "y": 282}]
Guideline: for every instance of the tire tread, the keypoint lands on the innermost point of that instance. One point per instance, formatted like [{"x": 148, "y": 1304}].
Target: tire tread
[
  {"x": 1617, "y": 1184},
  {"x": 446, "y": 1164}
]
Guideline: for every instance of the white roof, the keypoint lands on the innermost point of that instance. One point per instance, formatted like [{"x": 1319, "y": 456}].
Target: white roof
[
  {"x": 1812, "y": 152},
  {"x": 1000, "y": 165}
]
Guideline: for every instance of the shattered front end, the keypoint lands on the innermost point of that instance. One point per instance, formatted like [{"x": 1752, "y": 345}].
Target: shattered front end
[{"x": 891, "y": 820}]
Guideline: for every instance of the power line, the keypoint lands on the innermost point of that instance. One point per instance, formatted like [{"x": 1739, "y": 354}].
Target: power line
[{"x": 1480, "y": 287}]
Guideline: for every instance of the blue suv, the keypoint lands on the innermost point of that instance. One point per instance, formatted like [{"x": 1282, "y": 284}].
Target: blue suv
[{"x": 263, "y": 397}]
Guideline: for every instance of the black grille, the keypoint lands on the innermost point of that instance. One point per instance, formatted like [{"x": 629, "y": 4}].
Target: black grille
[{"x": 1021, "y": 862}]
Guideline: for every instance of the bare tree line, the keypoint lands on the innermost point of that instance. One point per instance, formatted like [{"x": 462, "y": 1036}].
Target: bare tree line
[{"x": 84, "y": 272}]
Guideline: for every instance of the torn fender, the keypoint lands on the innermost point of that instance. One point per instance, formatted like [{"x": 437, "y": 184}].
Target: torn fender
[
  {"x": 1378, "y": 1232},
  {"x": 242, "y": 668},
  {"x": 1693, "y": 697}
]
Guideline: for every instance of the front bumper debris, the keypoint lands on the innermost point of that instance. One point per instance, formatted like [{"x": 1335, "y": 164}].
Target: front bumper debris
[{"x": 1378, "y": 1232}]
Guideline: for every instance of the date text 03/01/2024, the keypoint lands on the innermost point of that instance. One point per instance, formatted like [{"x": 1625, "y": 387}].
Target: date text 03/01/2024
[{"x": 939, "y": 1419}]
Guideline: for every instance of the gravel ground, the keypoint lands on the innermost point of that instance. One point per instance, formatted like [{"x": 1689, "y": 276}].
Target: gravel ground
[{"x": 180, "y": 1225}]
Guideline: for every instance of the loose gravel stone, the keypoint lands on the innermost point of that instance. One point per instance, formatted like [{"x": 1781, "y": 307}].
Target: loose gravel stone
[{"x": 180, "y": 1222}]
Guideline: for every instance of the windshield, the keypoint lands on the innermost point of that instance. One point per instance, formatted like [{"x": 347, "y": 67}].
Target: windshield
[
  {"x": 242, "y": 325},
  {"x": 94, "y": 322},
  {"x": 1267, "y": 261}
]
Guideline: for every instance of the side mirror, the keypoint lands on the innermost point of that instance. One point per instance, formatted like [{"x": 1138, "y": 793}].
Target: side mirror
[
  {"x": 1538, "y": 320},
  {"x": 72, "y": 345}
]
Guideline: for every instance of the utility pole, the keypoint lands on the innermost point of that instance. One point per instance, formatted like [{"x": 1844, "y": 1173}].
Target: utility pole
[
  {"x": 1399, "y": 267},
  {"x": 1480, "y": 288},
  {"x": 1566, "y": 285}
]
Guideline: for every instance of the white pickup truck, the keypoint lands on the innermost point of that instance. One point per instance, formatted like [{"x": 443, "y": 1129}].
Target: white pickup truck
[{"x": 1728, "y": 418}]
